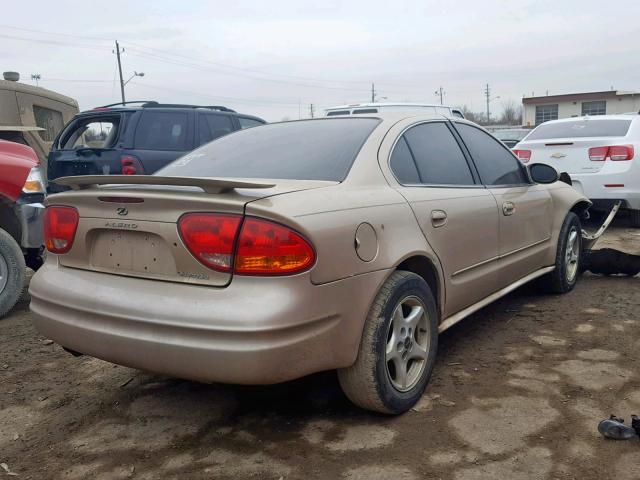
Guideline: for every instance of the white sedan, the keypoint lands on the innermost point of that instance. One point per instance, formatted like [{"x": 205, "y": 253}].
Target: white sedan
[{"x": 597, "y": 152}]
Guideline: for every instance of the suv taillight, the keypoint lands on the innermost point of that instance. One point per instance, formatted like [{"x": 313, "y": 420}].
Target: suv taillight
[
  {"x": 261, "y": 247},
  {"x": 131, "y": 165},
  {"x": 60, "y": 224},
  {"x": 523, "y": 155},
  {"x": 614, "y": 152}
]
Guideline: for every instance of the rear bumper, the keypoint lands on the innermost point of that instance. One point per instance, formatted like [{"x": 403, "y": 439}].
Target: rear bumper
[
  {"x": 255, "y": 331},
  {"x": 603, "y": 197}
]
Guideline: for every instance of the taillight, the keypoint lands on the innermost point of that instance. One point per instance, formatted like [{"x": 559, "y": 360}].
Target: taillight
[
  {"x": 268, "y": 248},
  {"x": 614, "y": 152},
  {"x": 131, "y": 165},
  {"x": 523, "y": 155},
  {"x": 60, "y": 224},
  {"x": 262, "y": 247},
  {"x": 210, "y": 237}
]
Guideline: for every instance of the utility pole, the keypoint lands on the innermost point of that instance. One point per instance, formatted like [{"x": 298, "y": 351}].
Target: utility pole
[
  {"x": 440, "y": 92},
  {"x": 311, "y": 109},
  {"x": 373, "y": 93},
  {"x": 487, "y": 92},
  {"x": 117, "y": 52}
]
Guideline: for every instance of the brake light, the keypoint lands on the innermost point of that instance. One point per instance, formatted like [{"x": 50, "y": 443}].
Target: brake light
[
  {"x": 131, "y": 165},
  {"x": 263, "y": 247},
  {"x": 60, "y": 225},
  {"x": 621, "y": 152},
  {"x": 268, "y": 248},
  {"x": 614, "y": 152},
  {"x": 523, "y": 155},
  {"x": 210, "y": 237}
]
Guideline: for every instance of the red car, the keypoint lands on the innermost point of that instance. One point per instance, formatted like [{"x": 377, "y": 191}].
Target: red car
[{"x": 22, "y": 192}]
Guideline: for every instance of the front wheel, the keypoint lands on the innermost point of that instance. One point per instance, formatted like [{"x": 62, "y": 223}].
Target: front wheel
[
  {"x": 398, "y": 347},
  {"x": 11, "y": 272},
  {"x": 568, "y": 257}
]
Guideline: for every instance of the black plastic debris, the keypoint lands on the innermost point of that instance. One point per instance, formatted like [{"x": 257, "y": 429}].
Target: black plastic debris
[
  {"x": 614, "y": 428},
  {"x": 608, "y": 261}
]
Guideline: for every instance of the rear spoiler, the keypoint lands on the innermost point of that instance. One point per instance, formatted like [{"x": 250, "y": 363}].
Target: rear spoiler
[{"x": 209, "y": 185}]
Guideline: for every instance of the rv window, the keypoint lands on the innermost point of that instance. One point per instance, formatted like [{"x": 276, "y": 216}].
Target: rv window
[
  {"x": 50, "y": 120},
  {"x": 338, "y": 112},
  {"x": 366, "y": 110}
]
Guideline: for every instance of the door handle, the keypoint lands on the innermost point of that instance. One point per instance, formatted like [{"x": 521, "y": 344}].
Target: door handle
[
  {"x": 438, "y": 218},
  {"x": 508, "y": 208}
]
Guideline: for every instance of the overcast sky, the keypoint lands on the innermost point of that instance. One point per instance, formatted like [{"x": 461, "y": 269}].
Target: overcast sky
[{"x": 274, "y": 58}]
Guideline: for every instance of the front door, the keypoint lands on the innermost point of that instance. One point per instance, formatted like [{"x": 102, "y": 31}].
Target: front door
[
  {"x": 458, "y": 216},
  {"x": 525, "y": 209}
]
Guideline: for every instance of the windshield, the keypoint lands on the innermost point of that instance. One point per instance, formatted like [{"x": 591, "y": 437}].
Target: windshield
[
  {"x": 321, "y": 149},
  {"x": 581, "y": 129},
  {"x": 513, "y": 134}
]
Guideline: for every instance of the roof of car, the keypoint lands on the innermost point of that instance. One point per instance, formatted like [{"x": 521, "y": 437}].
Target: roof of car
[{"x": 386, "y": 104}]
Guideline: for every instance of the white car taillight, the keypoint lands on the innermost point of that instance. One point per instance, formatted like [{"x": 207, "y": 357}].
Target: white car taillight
[
  {"x": 34, "y": 182},
  {"x": 614, "y": 152}
]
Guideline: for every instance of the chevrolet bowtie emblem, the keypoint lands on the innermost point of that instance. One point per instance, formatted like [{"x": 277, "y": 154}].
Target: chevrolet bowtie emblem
[{"x": 558, "y": 155}]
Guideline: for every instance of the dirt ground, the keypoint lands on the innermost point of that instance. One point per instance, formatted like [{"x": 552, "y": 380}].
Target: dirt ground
[{"x": 517, "y": 393}]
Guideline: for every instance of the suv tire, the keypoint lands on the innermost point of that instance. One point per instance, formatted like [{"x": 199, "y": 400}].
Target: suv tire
[
  {"x": 398, "y": 347},
  {"x": 12, "y": 272}
]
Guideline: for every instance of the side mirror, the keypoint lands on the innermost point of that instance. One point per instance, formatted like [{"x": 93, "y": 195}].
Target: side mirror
[{"x": 543, "y": 173}]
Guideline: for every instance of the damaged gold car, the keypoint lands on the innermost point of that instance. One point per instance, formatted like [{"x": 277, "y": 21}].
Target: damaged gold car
[{"x": 297, "y": 247}]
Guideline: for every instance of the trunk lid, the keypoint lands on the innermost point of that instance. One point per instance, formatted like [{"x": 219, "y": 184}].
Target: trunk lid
[
  {"x": 569, "y": 155},
  {"x": 132, "y": 229}
]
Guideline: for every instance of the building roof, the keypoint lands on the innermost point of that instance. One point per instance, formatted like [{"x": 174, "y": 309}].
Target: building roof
[{"x": 572, "y": 97}]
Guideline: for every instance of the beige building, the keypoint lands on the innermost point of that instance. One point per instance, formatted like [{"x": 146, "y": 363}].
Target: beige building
[{"x": 552, "y": 107}]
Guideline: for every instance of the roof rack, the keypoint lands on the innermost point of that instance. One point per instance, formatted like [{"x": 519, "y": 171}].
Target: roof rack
[
  {"x": 144, "y": 102},
  {"x": 179, "y": 105}
]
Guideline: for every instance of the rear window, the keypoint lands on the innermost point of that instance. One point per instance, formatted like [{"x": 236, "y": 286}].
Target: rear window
[
  {"x": 322, "y": 149},
  {"x": 162, "y": 131},
  {"x": 581, "y": 129}
]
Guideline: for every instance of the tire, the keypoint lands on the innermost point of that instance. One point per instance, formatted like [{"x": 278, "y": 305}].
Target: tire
[
  {"x": 375, "y": 383},
  {"x": 11, "y": 272},
  {"x": 634, "y": 218},
  {"x": 566, "y": 273}
]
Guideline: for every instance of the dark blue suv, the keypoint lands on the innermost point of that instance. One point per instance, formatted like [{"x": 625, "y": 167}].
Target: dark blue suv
[{"x": 132, "y": 140}]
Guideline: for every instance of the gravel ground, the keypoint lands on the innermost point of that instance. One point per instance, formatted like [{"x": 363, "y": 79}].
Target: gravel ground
[{"x": 517, "y": 394}]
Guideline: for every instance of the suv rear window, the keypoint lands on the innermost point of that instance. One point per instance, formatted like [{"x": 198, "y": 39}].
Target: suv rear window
[
  {"x": 322, "y": 149},
  {"x": 162, "y": 131},
  {"x": 581, "y": 128}
]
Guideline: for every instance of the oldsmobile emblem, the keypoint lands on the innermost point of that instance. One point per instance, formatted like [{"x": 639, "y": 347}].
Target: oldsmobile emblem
[
  {"x": 558, "y": 155},
  {"x": 122, "y": 211}
]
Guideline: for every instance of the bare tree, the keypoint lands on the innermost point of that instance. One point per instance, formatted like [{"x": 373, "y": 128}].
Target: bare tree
[
  {"x": 511, "y": 113},
  {"x": 479, "y": 118}
]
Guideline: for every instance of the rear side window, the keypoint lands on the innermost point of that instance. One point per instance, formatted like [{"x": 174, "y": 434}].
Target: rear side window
[
  {"x": 402, "y": 164},
  {"x": 437, "y": 155},
  {"x": 214, "y": 126},
  {"x": 581, "y": 129},
  {"x": 249, "y": 122},
  {"x": 366, "y": 110},
  {"x": 97, "y": 132},
  {"x": 162, "y": 131},
  {"x": 496, "y": 165},
  {"x": 322, "y": 149}
]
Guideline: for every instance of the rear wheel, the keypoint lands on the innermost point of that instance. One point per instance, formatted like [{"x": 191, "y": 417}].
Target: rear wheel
[
  {"x": 568, "y": 257},
  {"x": 398, "y": 347},
  {"x": 634, "y": 218},
  {"x": 11, "y": 272}
]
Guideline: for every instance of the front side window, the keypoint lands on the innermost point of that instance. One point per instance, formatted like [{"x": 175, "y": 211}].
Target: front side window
[
  {"x": 544, "y": 113},
  {"x": 321, "y": 149},
  {"x": 495, "y": 163},
  {"x": 162, "y": 131},
  {"x": 50, "y": 120},
  {"x": 99, "y": 132},
  {"x": 594, "y": 108},
  {"x": 248, "y": 122},
  {"x": 437, "y": 157},
  {"x": 212, "y": 126}
]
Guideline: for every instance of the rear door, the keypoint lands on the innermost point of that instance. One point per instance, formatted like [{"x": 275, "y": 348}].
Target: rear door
[
  {"x": 87, "y": 146},
  {"x": 525, "y": 209},
  {"x": 458, "y": 216},
  {"x": 161, "y": 135}
]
